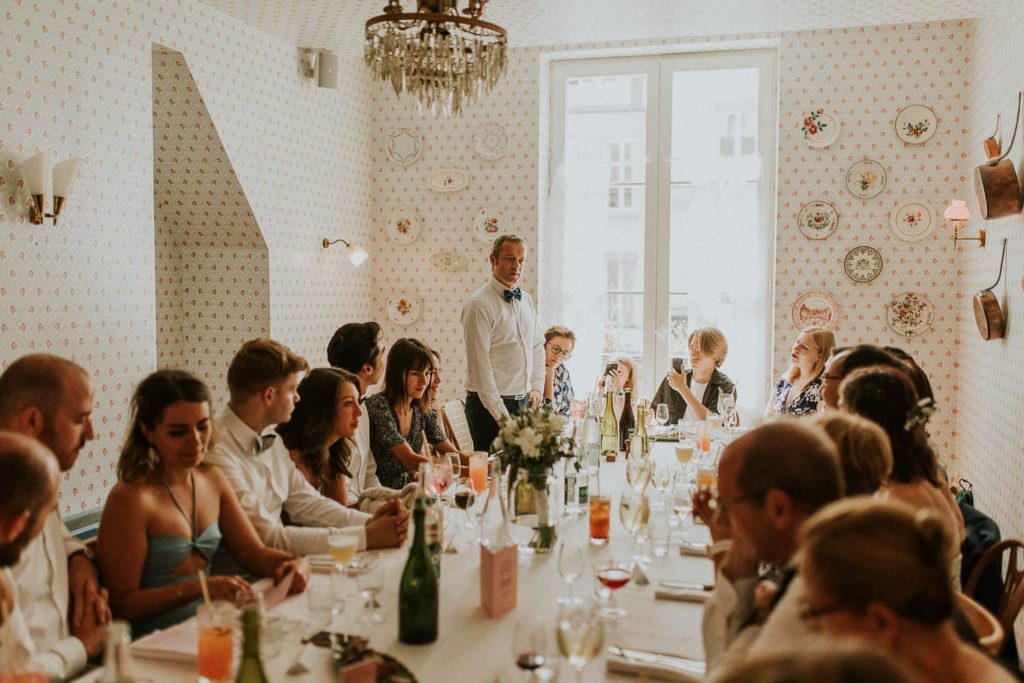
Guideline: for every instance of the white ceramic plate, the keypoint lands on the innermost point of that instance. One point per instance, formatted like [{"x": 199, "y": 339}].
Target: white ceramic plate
[
  {"x": 403, "y": 308},
  {"x": 448, "y": 180},
  {"x": 490, "y": 141},
  {"x": 916, "y": 124},
  {"x": 910, "y": 314},
  {"x": 817, "y": 220},
  {"x": 912, "y": 221},
  {"x": 403, "y": 225},
  {"x": 815, "y": 309},
  {"x": 448, "y": 261},
  {"x": 865, "y": 179},
  {"x": 403, "y": 146},
  {"x": 490, "y": 222},
  {"x": 862, "y": 264},
  {"x": 819, "y": 128}
]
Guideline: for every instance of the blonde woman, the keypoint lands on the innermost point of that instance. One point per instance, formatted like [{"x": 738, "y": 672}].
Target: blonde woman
[
  {"x": 694, "y": 393},
  {"x": 798, "y": 391},
  {"x": 864, "y": 451}
]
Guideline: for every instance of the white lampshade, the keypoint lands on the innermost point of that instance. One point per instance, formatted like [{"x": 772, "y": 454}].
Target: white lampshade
[
  {"x": 957, "y": 211},
  {"x": 36, "y": 171},
  {"x": 64, "y": 175},
  {"x": 356, "y": 254}
]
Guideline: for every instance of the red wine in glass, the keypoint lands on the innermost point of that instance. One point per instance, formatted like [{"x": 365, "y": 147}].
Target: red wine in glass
[
  {"x": 529, "y": 661},
  {"x": 464, "y": 499},
  {"x": 614, "y": 577}
]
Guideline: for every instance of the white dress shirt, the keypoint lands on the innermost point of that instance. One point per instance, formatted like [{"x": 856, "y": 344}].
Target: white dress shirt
[
  {"x": 268, "y": 483},
  {"x": 362, "y": 464},
  {"x": 504, "y": 347},
  {"x": 41, "y": 577}
]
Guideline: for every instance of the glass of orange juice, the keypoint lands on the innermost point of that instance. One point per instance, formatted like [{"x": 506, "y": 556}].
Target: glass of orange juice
[
  {"x": 216, "y": 640},
  {"x": 478, "y": 471}
]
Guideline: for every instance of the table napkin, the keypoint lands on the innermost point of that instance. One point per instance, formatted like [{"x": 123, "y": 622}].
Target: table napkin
[
  {"x": 616, "y": 664},
  {"x": 695, "y": 549},
  {"x": 682, "y": 595}
]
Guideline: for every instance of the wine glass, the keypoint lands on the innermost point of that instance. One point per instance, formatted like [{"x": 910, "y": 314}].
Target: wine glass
[
  {"x": 682, "y": 504},
  {"x": 580, "y": 634},
  {"x": 572, "y": 559},
  {"x": 613, "y": 574},
  {"x": 638, "y": 473},
  {"x": 727, "y": 409},
  {"x": 661, "y": 477},
  {"x": 528, "y": 642},
  {"x": 370, "y": 581},
  {"x": 635, "y": 514},
  {"x": 441, "y": 471},
  {"x": 661, "y": 414}
]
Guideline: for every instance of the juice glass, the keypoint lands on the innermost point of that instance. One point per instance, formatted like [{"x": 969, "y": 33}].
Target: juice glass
[
  {"x": 600, "y": 519},
  {"x": 707, "y": 476},
  {"x": 216, "y": 640},
  {"x": 478, "y": 471}
]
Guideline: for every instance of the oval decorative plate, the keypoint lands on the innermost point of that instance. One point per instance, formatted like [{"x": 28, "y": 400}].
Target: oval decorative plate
[
  {"x": 815, "y": 309},
  {"x": 819, "y": 129},
  {"x": 862, "y": 264},
  {"x": 448, "y": 261},
  {"x": 448, "y": 180},
  {"x": 490, "y": 141},
  {"x": 916, "y": 124},
  {"x": 817, "y": 220},
  {"x": 910, "y": 314},
  {"x": 403, "y": 225},
  {"x": 490, "y": 222},
  {"x": 912, "y": 221},
  {"x": 403, "y": 308},
  {"x": 865, "y": 179},
  {"x": 404, "y": 146}
]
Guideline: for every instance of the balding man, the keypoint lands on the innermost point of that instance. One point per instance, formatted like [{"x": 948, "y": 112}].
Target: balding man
[
  {"x": 846, "y": 360},
  {"x": 770, "y": 481},
  {"x": 50, "y": 399},
  {"x": 28, "y": 494}
]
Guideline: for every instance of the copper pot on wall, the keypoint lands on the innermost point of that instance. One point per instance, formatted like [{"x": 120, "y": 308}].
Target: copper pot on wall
[
  {"x": 987, "y": 313},
  {"x": 996, "y": 182}
]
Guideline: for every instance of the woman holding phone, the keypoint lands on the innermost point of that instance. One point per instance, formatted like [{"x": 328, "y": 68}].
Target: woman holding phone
[{"x": 695, "y": 392}]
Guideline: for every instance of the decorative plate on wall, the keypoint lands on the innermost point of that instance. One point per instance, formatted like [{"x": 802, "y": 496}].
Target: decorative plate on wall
[
  {"x": 817, "y": 220},
  {"x": 404, "y": 146},
  {"x": 403, "y": 225},
  {"x": 490, "y": 141},
  {"x": 490, "y": 222},
  {"x": 448, "y": 261},
  {"x": 403, "y": 308},
  {"x": 909, "y": 313},
  {"x": 916, "y": 124},
  {"x": 815, "y": 309},
  {"x": 912, "y": 221},
  {"x": 865, "y": 179},
  {"x": 448, "y": 180},
  {"x": 819, "y": 129},
  {"x": 862, "y": 264}
]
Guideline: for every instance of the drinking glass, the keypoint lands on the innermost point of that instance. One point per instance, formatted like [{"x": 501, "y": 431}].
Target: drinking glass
[
  {"x": 572, "y": 561},
  {"x": 580, "y": 634},
  {"x": 707, "y": 477},
  {"x": 661, "y": 414},
  {"x": 370, "y": 581},
  {"x": 528, "y": 642},
  {"x": 441, "y": 470},
  {"x": 727, "y": 409},
  {"x": 661, "y": 476},
  {"x": 600, "y": 519},
  {"x": 638, "y": 473},
  {"x": 635, "y": 513},
  {"x": 682, "y": 504},
  {"x": 320, "y": 597},
  {"x": 613, "y": 574},
  {"x": 342, "y": 546},
  {"x": 216, "y": 623},
  {"x": 478, "y": 471}
]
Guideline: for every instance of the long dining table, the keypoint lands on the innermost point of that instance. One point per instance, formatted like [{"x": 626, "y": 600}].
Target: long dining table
[{"x": 471, "y": 646}]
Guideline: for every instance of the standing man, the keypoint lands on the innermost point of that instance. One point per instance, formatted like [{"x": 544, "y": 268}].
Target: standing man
[
  {"x": 504, "y": 346},
  {"x": 50, "y": 399}
]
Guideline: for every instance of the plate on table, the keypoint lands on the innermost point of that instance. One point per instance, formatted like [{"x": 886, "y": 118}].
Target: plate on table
[
  {"x": 862, "y": 264},
  {"x": 916, "y": 124},
  {"x": 403, "y": 146},
  {"x": 817, "y": 220},
  {"x": 403, "y": 308},
  {"x": 865, "y": 179},
  {"x": 815, "y": 309},
  {"x": 912, "y": 221},
  {"x": 490, "y": 141},
  {"x": 490, "y": 222},
  {"x": 403, "y": 225},
  {"x": 819, "y": 128},
  {"x": 910, "y": 314}
]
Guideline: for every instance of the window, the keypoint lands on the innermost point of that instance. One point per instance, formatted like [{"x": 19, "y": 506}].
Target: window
[{"x": 659, "y": 217}]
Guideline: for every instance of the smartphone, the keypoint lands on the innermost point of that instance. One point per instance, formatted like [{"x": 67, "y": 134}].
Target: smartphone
[
  {"x": 677, "y": 364},
  {"x": 610, "y": 368}
]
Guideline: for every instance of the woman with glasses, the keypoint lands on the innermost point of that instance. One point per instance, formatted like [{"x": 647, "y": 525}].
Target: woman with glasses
[{"x": 558, "y": 345}]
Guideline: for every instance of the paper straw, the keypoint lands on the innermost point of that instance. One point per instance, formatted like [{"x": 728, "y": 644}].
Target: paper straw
[
  {"x": 206, "y": 591},
  {"x": 9, "y": 644}
]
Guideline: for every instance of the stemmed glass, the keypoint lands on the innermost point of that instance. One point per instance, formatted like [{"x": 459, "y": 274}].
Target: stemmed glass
[
  {"x": 661, "y": 477},
  {"x": 635, "y": 514},
  {"x": 727, "y": 409},
  {"x": 661, "y": 414},
  {"x": 682, "y": 504},
  {"x": 613, "y": 574},
  {"x": 528, "y": 642},
  {"x": 443, "y": 475},
  {"x": 638, "y": 473},
  {"x": 370, "y": 581},
  {"x": 580, "y": 634},
  {"x": 572, "y": 560}
]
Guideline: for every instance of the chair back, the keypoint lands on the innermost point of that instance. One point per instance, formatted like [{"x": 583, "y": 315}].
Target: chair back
[
  {"x": 990, "y": 631},
  {"x": 454, "y": 415},
  {"x": 1012, "y": 600}
]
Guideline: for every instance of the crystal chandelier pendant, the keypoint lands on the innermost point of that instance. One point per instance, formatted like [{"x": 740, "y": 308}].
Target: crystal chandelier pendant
[{"x": 436, "y": 55}]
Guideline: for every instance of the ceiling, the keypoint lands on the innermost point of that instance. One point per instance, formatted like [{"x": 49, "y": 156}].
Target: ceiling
[{"x": 338, "y": 24}]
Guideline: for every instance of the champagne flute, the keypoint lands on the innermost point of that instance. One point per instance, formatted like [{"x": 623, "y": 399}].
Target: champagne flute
[
  {"x": 580, "y": 634},
  {"x": 661, "y": 414},
  {"x": 572, "y": 561}
]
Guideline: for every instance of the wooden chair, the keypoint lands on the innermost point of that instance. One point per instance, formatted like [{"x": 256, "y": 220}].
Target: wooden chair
[
  {"x": 1012, "y": 600},
  {"x": 453, "y": 413},
  {"x": 990, "y": 632}
]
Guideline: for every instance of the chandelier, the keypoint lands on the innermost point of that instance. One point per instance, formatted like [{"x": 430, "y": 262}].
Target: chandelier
[{"x": 435, "y": 54}]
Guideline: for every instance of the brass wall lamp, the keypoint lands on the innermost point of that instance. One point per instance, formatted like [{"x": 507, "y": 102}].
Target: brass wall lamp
[
  {"x": 37, "y": 176},
  {"x": 356, "y": 254},
  {"x": 957, "y": 215}
]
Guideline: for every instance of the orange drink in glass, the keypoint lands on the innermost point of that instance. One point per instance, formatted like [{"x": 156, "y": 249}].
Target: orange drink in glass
[
  {"x": 600, "y": 519},
  {"x": 478, "y": 471},
  {"x": 216, "y": 640},
  {"x": 707, "y": 477}
]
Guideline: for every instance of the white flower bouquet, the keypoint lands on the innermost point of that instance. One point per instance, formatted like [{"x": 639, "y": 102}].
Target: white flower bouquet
[{"x": 533, "y": 440}]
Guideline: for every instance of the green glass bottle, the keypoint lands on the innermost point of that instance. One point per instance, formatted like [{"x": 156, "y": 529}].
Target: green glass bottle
[
  {"x": 418, "y": 593},
  {"x": 250, "y": 669},
  {"x": 609, "y": 428}
]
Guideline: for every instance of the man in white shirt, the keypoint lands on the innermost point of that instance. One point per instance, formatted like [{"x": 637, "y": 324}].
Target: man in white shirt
[
  {"x": 504, "y": 345},
  {"x": 28, "y": 494},
  {"x": 263, "y": 381},
  {"x": 50, "y": 399},
  {"x": 770, "y": 481},
  {"x": 356, "y": 347}
]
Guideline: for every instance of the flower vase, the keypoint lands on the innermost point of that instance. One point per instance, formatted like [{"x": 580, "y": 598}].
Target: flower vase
[{"x": 531, "y": 502}]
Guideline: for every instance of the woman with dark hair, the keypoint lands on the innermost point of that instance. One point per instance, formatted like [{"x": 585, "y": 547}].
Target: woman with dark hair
[
  {"x": 916, "y": 373},
  {"x": 318, "y": 434},
  {"x": 876, "y": 571},
  {"x": 398, "y": 421},
  {"x": 166, "y": 516}
]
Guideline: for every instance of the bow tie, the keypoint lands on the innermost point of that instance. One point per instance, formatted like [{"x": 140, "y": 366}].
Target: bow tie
[
  {"x": 510, "y": 294},
  {"x": 263, "y": 442}
]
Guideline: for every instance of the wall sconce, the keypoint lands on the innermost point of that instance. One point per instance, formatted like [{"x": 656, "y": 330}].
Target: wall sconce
[
  {"x": 321, "y": 65},
  {"x": 356, "y": 254},
  {"x": 957, "y": 214},
  {"x": 37, "y": 175}
]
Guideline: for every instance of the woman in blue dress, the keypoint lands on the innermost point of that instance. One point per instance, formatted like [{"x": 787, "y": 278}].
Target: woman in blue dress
[
  {"x": 798, "y": 391},
  {"x": 168, "y": 513}
]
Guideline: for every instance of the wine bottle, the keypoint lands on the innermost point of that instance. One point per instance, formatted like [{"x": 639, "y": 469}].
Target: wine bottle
[
  {"x": 626, "y": 421},
  {"x": 641, "y": 428},
  {"x": 434, "y": 520},
  {"x": 418, "y": 592},
  {"x": 609, "y": 429},
  {"x": 571, "y": 507},
  {"x": 498, "y": 553},
  {"x": 118, "y": 666},
  {"x": 250, "y": 669},
  {"x": 592, "y": 445}
]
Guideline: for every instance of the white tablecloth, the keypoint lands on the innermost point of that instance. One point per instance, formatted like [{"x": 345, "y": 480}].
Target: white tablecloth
[{"x": 471, "y": 647}]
